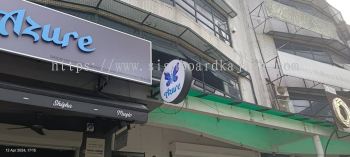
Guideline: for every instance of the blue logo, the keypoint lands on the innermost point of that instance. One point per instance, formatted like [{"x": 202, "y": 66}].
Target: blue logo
[
  {"x": 170, "y": 78},
  {"x": 18, "y": 17},
  {"x": 176, "y": 81}
]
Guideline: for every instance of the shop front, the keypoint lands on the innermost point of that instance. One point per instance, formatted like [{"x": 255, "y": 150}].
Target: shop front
[
  {"x": 53, "y": 69},
  {"x": 70, "y": 87}
]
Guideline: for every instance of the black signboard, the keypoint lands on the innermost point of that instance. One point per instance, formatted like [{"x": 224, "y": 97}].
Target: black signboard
[{"x": 65, "y": 102}]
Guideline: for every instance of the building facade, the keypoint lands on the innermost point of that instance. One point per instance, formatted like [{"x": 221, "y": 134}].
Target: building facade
[{"x": 259, "y": 68}]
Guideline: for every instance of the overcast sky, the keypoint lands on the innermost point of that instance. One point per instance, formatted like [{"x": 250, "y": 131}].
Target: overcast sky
[{"x": 343, "y": 6}]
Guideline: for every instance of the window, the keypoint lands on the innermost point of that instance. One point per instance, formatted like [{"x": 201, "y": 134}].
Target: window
[
  {"x": 168, "y": 1},
  {"x": 207, "y": 16},
  {"x": 306, "y": 51},
  {"x": 307, "y": 8},
  {"x": 300, "y": 105},
  {"x": 310, "y": 103},
  {"x": 319, "y": 109}
]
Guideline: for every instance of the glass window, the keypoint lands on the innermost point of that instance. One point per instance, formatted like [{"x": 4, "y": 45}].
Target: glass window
[
  {"x": 324, "y": 59},
  {"x": 186, "y": 7},
  {"x": 205, "y": 21},
  {"x": 204, "y": 9},
  {"x": 304, "y": 54},
  {"x": 300, "y": 105},
  {"x": 306, "y": 51},
  {"x": 190, "y": 2},
  {"x": 307, "y": 8},
  {"x": 206, "y": 15},
  {"x": 312, "y": 104},
  {"x": 171, "y": 2}
]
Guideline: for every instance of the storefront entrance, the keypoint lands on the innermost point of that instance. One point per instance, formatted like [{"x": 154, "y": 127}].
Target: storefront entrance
[
  {"x": 38, "y": 116},
  {"x": 16, "y": 151}
]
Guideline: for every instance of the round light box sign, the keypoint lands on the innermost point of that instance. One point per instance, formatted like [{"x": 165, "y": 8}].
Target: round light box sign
[
  {"x": 176, "y": 81},
  {"x": 342, "y": 112}
]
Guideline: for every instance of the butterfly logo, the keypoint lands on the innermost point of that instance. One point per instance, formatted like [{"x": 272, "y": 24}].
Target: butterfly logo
[{"x": 170, "y": 78}]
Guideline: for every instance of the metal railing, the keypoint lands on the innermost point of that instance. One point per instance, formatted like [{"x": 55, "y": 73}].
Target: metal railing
[{"x": 201, "y": 18}]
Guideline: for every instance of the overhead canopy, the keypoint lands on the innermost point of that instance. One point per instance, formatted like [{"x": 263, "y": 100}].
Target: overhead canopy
[
  {"x": 332, "y": 44},
  {"x": 79, "y": 104}
]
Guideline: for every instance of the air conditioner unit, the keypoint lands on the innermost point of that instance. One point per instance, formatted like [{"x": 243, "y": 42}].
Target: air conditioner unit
[
  {"x": 282, "y": 99},
  {"x": 281, "y": 92},
  {"x": 284, "y": 105}
]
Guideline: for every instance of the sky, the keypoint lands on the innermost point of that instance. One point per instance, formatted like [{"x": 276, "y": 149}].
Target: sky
[{"x": 343, "y": 6}]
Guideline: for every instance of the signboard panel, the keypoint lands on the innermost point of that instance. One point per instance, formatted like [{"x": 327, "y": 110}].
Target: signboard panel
[
  {"x": 175, "y": 82},
  {"x": 35, "y": 31},
  {"x": 300, "y": 67},
  {"x": 120, "y": 110},
  {"x": 341, "y": 111}
]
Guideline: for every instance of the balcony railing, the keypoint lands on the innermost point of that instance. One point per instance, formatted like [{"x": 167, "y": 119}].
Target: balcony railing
[
  {"x": 208, "y": 17},
  {"x": 282, "y": 21}
]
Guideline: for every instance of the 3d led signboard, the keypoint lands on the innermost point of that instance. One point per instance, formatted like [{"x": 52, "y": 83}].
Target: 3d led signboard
[
  {"x": 176, "y": 81},
  {"x": 17, "y": 17},
  {"x": 340, "y": 107},
  {"x": 341, "y": 111},
  {"x": 38, "y": 32}
]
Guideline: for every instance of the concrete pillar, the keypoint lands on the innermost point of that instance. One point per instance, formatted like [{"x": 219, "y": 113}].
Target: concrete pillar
[{"x": 318, "y": 146}]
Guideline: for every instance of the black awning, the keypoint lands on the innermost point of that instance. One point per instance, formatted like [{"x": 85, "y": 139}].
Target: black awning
[{"x": 80, "y": 104}]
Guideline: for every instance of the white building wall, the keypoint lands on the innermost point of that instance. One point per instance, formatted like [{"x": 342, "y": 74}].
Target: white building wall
[
  {"x": 267, "y": 44},
  {"x": 157, "y": 141},
  {"x": 245, "y": 44}
]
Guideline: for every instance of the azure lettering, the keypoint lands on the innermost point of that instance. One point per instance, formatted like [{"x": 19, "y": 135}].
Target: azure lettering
[
  {"x": 171, "y": 91},
  {"x": 18, "y": 17}
]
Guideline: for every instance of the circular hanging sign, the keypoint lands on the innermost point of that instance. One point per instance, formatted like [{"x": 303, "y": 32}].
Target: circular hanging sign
[
  {"x": 176, "y": 81},
  {"x": 342, "y": 112}
]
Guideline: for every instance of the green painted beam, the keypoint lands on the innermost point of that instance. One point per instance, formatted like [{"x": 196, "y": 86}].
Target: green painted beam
[
  {"x": 247, "y": 125},
  {"x": 250, "y": 106},
  {"x": 304, "y": 146},
  {"x": 336, "y": 146},
  {"x": 240, "y": 133},
  {"x": 247, "y": 115}
]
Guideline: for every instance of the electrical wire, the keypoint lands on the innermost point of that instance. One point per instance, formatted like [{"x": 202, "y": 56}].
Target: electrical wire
[
  {"x": 215, "y": 108},
  {"x": 177, "y": 111},
  {"x": 328, "y": 141}
]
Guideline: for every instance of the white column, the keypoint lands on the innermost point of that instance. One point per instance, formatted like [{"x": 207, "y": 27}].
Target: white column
[{"x": 318, "y": 146}]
